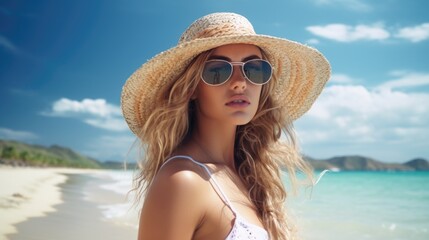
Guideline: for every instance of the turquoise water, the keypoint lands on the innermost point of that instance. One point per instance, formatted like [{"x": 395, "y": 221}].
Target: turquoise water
[
  {"x": 343, "y": 205},
  {"x": 364, "y": 205}
]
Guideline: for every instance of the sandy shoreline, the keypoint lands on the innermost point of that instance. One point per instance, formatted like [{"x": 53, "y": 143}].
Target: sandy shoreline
[{"x": 30, "y": 193}]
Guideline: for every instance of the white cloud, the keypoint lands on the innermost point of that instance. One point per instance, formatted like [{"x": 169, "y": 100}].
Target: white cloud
[
  {"x": 114, "y": 124},
  {"x": 95, "y": 112},
  {"x": 95, "y": 107},
  {"x": 313, "y": 41},
  {"x": 406, "y": 80},
  {"x": 340, "y": 78},
  {"x": 414, "y": 34},
  {"x": 357, "y": 5},
  {"x": 346, "y": 33},
  {"x": 357, "y": 102},
  {"x": 383, "y": 119},
  {"x": 113, "y": 147},
  {"x": 6, "y": 133}
]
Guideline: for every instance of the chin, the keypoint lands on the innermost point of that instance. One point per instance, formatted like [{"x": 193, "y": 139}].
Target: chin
[
  {"x": 242, "y": 121},
  {"x": 242, "y": 118}
]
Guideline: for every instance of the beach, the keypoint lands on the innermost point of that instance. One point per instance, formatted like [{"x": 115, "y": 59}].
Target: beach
[{"x": 62, "y": 203}]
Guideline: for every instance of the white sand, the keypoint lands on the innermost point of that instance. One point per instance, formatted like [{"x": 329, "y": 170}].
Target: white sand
[{"x": 28, "y": 192}]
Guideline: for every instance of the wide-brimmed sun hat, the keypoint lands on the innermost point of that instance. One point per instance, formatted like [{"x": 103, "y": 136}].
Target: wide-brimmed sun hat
[{"x": 301, "y": 71}]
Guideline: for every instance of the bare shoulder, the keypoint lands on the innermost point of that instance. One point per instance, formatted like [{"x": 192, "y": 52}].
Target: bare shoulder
[
  {"x": 174, "y": 205},
  {"x": 181, "y": 169}
]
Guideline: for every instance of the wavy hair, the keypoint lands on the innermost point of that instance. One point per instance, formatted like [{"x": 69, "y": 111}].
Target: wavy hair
[{"x": 261, "y": 154}]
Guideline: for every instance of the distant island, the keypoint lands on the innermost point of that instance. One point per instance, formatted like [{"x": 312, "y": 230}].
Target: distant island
[
  {"x": 360, "y": 163},
  {"x": 22, "y": 154}
]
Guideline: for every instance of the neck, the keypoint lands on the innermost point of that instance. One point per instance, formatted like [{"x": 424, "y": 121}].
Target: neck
[{"x": 216, "y": 142}]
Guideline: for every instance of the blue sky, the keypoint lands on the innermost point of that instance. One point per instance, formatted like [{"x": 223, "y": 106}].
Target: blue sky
[{"x": 63, "y": 64}]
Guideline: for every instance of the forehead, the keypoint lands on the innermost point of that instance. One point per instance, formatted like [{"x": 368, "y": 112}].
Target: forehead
[{"x": 236, "y": 52}]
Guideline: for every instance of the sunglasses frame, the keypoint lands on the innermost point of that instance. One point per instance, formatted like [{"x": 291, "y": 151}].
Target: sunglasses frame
[{"x": 242, "y": 71}]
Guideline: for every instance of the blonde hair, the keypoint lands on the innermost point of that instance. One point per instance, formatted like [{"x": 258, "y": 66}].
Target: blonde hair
[{"x": 260, "y": 155}]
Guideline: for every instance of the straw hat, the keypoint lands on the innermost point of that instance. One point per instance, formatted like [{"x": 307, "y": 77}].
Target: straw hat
[{"x": 301, "y": 70}]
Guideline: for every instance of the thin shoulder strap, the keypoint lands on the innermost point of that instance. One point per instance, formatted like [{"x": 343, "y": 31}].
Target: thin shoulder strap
[
  {"x": 191, "y": 159},
  {"x": 212, "y": 180}
]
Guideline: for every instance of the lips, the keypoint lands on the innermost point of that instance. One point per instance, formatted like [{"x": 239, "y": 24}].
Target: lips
[{"x": 238, "y": 100}]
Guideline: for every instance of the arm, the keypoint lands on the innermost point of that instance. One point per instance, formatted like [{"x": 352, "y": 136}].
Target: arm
[{"x": 173, "y": 207}]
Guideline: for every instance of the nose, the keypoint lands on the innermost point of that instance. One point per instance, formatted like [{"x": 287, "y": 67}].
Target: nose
[{"x": 238, "y": 81}]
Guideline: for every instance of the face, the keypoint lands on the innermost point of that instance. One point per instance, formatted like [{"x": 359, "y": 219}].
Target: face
[{"x": 236, "y": 101}]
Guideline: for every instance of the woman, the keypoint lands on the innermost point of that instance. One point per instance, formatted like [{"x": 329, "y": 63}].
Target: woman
[{"x": 210, "y": 113}]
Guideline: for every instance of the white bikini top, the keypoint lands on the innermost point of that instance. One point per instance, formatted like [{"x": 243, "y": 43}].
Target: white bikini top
[{"x": 242, "y": 229}]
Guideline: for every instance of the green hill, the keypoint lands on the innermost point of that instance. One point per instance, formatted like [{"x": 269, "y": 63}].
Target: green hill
[
  {"x": 360, "y": 163},
  {"x": 418, "y": 163},
  {"x": 21, "y": 154}
]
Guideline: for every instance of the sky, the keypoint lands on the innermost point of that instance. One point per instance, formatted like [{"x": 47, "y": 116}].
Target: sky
[{"x": 63, "y": 64}]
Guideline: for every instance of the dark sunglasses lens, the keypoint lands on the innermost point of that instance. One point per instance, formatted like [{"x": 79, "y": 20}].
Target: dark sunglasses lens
[
  {"x": 257, "y": 71},
  {"x": 216, "y": 72}
]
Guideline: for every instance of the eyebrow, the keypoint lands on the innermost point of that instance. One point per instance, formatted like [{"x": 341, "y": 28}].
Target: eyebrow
[{"x": 229, "y": 59}]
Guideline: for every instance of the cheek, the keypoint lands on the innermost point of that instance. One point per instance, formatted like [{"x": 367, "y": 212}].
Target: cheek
[
  {"x": 256, "y": 97},
  {"x": 256, "y": 92},
  {"x": 206, "y": 95}
]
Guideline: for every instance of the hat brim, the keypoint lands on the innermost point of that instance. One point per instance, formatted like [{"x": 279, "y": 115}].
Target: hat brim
[{"x": 301, "y": 72}]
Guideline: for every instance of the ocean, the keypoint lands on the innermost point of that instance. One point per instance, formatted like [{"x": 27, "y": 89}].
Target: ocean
[{"x": 343, "y": 205}]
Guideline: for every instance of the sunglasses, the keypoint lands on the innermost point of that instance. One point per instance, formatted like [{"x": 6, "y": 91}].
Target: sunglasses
[{"x": 217, "y": 72}]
